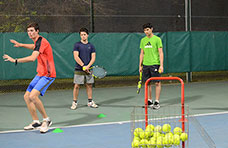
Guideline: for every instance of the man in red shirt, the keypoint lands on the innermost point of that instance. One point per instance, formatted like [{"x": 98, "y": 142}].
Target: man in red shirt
[{"x": 46, "y": 74}]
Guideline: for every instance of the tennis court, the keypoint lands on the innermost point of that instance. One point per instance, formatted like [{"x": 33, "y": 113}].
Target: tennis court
[
  {"x": 193, "y": 41},
  {"x": 82, "y": 127}
]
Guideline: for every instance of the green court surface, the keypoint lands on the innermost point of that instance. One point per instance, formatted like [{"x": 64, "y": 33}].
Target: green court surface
[{"x": 116, "y": 103}]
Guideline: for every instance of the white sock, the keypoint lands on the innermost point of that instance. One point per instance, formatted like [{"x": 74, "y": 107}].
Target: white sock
[
  {"x": 36, "y": 121},
  {"x": 46, "y": 119},
  {"x": 157, "y": 101}
]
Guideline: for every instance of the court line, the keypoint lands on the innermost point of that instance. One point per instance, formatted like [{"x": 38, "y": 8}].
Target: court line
[{"x": 108, "y": 123}]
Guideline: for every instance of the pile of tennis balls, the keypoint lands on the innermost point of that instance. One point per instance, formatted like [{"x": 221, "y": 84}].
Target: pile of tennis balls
[{"x": 158, "y": 137}]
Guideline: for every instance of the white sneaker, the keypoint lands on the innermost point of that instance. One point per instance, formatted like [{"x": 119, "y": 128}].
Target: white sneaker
[
  {"x": 150, "y": 103},
  {"x": 74, "y": 105},
  {"x": 156, "y": 105},
  {"x": 33, "y": 125},
  {"x": 44, "y": 126},
  {"x": 92, "y": 104}
]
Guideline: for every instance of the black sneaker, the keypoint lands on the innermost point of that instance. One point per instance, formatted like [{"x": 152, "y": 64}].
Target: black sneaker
[
  {"x": 32, "y": 126},
  {"x": 156, "y": 105},
  {"x": 150, "y": 103}
]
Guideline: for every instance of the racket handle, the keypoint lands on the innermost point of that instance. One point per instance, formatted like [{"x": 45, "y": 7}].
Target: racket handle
[{"x": 140, "y": 76}]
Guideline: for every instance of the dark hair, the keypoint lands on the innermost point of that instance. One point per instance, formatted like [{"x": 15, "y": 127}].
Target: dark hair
[
  {"x": 84, "y": 30},
  {"x": 33, "y": 24},
  {"x": 147, "y": 25}
]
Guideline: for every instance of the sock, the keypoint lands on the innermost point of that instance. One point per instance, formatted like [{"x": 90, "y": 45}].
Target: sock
[
  {"x": 76, "y": 101},
  {"x": 157, "y": 101},
  {"x": 36, "y": 121},
  {"x": 46, "y": 119},
  {"x": 150, "y": 100},
  {"x": 90, "y": 100}
]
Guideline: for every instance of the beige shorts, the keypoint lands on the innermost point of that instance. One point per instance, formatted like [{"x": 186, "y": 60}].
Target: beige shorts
[{"x": 82, "y": 79}]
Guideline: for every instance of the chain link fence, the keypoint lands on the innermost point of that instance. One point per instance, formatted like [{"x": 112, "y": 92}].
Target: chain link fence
[{"x": 113, "y": 16}]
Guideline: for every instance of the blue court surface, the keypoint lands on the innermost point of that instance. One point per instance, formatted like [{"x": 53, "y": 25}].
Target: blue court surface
[{"x": 112, "y": 135}]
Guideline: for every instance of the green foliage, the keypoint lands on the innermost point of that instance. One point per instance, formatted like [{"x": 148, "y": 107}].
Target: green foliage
[
  {"x": 14, "y": 24},
  {"x": 14, "y": 16}
]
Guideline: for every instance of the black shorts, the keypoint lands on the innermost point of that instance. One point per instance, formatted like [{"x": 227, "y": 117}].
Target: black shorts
[{"x": 150, "y": 71}]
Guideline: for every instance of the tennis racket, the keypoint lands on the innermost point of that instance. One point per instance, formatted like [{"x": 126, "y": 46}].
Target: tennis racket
[
  {"x": 98, "y": 72},
  {"x": 139, "y": 83}
]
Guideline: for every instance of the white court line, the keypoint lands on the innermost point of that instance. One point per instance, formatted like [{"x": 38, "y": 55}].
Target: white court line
[{"x": 108, "y": 123}]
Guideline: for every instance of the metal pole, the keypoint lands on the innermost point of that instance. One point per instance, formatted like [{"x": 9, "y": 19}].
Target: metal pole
[
  {"x": 188, "y": 27},
  {"x": 91, "y": 16},
  {"x": 188, "y": 15}
]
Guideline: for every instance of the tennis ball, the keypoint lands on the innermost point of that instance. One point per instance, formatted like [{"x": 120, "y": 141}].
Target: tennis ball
[
  {"x": 162, "y": 134},
  {"x": 148, "y": 133},
  {"x": 159, "y": 70},
  {"x": 177, "y": 130},
  {"x": 184, "y": 136},
  {"x": 149, "y": 130},
  {"x": 150, "y": 126},
  {"x": 158, "y": 128},
  {"x": 160, "y": 138},
  {"x": 169, "y": 138},
  {"x": 165, "y": 140},
  {"x": 135, "y": 144},
  {"x": 83, "y": 68},
  {"x": 166, "y": 128},
  {"x": 144, "y": 143},
  {"x": 152, "y": 143},
  {"x": 153, "y": 138},
  {"x": 136, "y": 138},
  {"x": 160, "y": 142},
  {"x": 170, "y": 134},
  {"x": 143, "y": 135},
  {"x": 176, "y": 139},
  {"x": 138, "y": 131},
  {"x": 156, "y": 135}
]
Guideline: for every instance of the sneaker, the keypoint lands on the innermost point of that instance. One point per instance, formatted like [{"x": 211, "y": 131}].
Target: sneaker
[
  {"x": 33, "y": 125},
  {"x": 74, "y": 105},
  {"x": 92, "y": 104},
  {"x": 44, "y": 126},
  {"x": 150, "y": 103},
  {"x": 156, "y": 105}
]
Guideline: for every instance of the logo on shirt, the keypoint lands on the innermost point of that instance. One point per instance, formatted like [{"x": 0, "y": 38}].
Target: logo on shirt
[{"x": 148, "y": 45}]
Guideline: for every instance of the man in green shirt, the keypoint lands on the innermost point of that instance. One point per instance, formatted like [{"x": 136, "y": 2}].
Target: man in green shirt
[{"x": 151, "y": 62}]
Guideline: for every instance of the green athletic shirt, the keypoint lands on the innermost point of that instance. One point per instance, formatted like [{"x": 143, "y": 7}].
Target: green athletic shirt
[{"x": 150, "y": 47}]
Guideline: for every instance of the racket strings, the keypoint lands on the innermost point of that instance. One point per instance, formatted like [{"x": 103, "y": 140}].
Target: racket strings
[{"x": 99, "y": 72}]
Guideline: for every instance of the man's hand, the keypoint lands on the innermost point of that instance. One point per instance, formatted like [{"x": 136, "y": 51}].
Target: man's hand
[
  {"x": 161, "y": 69},
  {"x": 16, "y": 44},
  {"x": 8, "y": 58},
  {"x": 140, "y": 68},
  {"x": 85, "y": 68}
]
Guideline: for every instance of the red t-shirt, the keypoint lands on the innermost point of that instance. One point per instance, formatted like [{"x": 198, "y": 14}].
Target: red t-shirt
[{"x": 46, "y": 65}]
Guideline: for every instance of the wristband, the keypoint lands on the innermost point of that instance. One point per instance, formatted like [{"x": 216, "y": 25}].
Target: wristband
[{"x": 15, "y": 62}]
